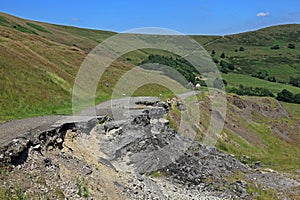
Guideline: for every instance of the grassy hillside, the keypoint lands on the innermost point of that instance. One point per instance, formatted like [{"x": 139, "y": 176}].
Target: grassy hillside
[
  {"x": 38, "y": 65},
  {"x": 257, "y": 53},
  {"x": 39, "y": 61}
]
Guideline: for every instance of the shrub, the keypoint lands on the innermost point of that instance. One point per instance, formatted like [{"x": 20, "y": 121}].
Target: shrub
[
  {"x": 251, "y": 91},
  {"x": 295, "y": 81},
  {"x": 285, "y": 95},
  {"x": 213, "y": 52},
  {"x": 215, "y": 60},
  {"x": 291, "y": 46},
  {"x": 272, "y": 78},
  {"x": 223, "y": 55},
  {"x": 227, "y": 66},
  {"x": 275, "y": 47},
  {"x": 261, "y": 74},
  {"x": 297, "y": 98}
]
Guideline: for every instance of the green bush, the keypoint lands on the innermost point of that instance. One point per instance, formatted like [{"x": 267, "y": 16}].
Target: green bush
[
  {"x": 297, "y": 98},
  {"x": 249, "y": 91},
  {"x": 275, "y": 47},
  {"x": 181, "y": 65},
  {"x": 291, "y": 46},
  {"x": 295, "y": 81},
  {"x": 223, "y": 55},
  {"x": 272, "y": 79},
  {"x": 288, "y": 96},
  {"x": 227, "y": 66},
  {"x": 261, "y": 74}
]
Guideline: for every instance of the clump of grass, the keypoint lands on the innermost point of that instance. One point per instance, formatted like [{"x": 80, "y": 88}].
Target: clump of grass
[
  {"x": 3, "y": 21},
  {"x": 252, "y": 188},
  {"x": 38, "y": 27},
  {"x": 156, "y": 174},
  {"x": 25, "y": 30},
  {"x": 16, "y": 192},
  {"x": 82, "y": 186},
  {"x": 263, "y": 194},
  {"x": 42, "y": 181},
  {"x": 59, "y": 193}
]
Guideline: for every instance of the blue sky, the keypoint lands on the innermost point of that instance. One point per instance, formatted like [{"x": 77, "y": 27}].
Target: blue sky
[{"x": 216, "y": 17}]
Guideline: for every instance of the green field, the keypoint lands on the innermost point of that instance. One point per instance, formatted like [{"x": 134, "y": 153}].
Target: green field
[{"x": 234, "y": 80}]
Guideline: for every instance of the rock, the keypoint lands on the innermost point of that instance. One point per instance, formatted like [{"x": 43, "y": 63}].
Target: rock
[
  {"x": 237, "y": 101},
  {"x": 47, "y": 162},
  {"x": 37, "y": 147},
  {"x": 140, "y": 178},
  {"x": 87, "y": 170},
  {"x": 106, "y": 162},
  {"x": 181, "y": 106},
  {"x": 297, "y": 171},
  {"x": 257, "y": 164},
  {"x": 15, "y": 140},
  {"x": 59, "y": 140}
]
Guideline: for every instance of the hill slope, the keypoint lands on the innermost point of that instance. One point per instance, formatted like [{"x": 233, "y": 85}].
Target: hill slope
[
  {"x": 252, "y": 51},
  {"x": 39, "y": 62}
]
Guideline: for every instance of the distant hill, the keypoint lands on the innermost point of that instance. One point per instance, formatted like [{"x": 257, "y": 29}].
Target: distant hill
[
  {"x": 39, "y": 61},
  {"x": 274, "y": 49}
]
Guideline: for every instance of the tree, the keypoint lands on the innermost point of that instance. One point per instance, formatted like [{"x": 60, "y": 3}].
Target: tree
[
  {"x": 297, "y": 98},
  {"x": 223, "y": 55},
  {"x": 291, "y": 46},
  {"x": 272, "y": 79},
  {"x": 215, "y": 60},
  {"x": 213, "y": 52},
  {"x": 275, "y": 47},
  {"x": 285, "y": 95},
  {"x": 227, "y": 66},
  {"x": 261, "y": 74},
  {"x": 224, "y": 70},
  {"x": 295, "y": 81}
]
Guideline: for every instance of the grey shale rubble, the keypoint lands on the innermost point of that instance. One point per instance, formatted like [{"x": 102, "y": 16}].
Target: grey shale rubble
[{"x": 133, "y": 156}]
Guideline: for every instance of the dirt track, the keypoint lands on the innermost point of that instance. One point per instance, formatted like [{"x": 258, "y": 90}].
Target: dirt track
[{"x": 118, "y": 107}]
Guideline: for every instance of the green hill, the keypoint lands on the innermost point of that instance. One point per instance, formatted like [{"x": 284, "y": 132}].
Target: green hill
[
  {"x": 257, "y": 52},
  {"x": 39, "y": 61}
]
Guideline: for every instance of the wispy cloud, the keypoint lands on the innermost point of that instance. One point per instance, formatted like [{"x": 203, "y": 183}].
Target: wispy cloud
[
  {"x": 74, "y": 19},
  {"x": 263, "y": 14}
]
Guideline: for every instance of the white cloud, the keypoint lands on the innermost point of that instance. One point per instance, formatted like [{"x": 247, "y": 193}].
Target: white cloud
[{"x": 262, "y": 14}]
